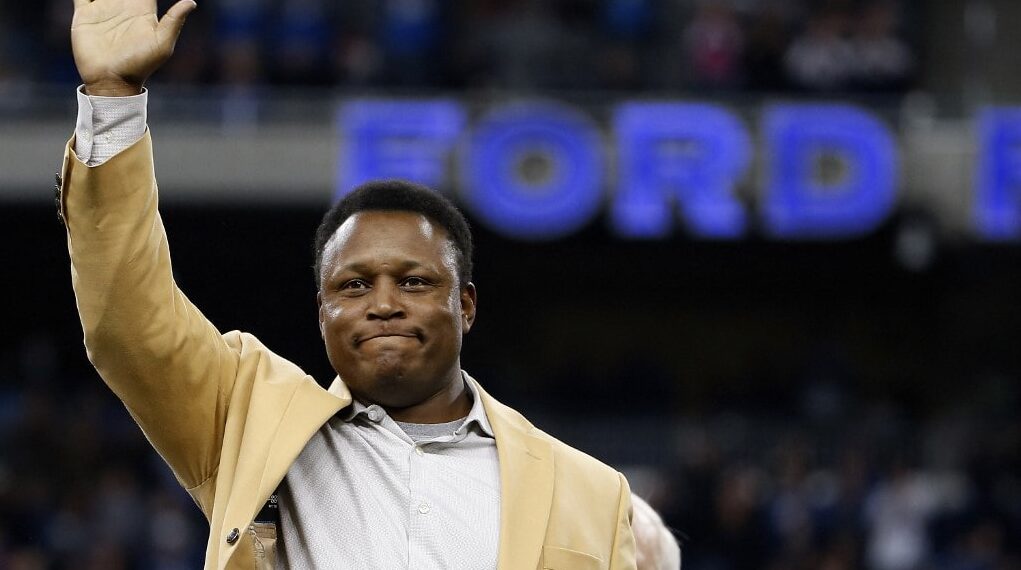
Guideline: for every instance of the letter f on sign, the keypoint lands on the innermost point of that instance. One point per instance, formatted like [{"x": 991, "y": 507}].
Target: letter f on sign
[{"x": 411, "y": 140}]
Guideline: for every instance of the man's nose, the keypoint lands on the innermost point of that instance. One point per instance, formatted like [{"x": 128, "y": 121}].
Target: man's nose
[{"x": 386, "y": 302}]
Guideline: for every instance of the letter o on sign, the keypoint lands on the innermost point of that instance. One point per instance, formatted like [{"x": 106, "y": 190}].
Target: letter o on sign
[{"x": 533, "y": 171}]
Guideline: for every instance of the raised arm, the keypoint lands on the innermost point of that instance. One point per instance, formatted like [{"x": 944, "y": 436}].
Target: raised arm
[{"x": 167, "y": 363}]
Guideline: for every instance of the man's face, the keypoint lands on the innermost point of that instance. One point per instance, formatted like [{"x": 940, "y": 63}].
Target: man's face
[{"x": 391, "y": 309}]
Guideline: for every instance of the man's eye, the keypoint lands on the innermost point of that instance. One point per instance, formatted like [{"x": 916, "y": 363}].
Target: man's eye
[
  {"x": 354, "y": 284},
  {"x": 415, "y": 282}
]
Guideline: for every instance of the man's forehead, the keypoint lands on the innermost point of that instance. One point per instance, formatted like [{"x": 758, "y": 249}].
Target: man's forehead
[
  {"x": 382, "y": 229},
  {"x": 378, "y": 223}
]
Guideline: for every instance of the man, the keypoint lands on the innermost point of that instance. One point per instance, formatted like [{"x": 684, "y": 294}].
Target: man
[
  {"x": 656, "y": 547},
  {"x": 405, "y": 462}
]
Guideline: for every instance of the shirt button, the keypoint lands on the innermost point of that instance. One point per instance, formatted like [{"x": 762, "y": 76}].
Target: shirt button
[
  {"x": 419, "y": 451},
  {"x": 233, "y": 536},
  {"x": 375, "y": 414},
  {"x": 424, "y": 508}
]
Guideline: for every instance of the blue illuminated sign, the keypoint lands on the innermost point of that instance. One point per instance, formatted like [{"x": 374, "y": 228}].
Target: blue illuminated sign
[{"x": 541, "y": 170}]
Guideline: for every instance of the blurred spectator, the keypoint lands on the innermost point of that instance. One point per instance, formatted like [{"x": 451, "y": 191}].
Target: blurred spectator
[
  {"x": 626, "y": 37},
  {"x": 768, "y": 36},
  {"x": 241, "y": 27},
  {"x": 821, "y": 58},
  {"x": 981, "y": 548},
  {"x": 357, "y": 57},
  {"x": 301, "y": 38},
  {"x": 898, "y": 512},
  {"x": 410, "y": 36},
  {"x": 508, "y": 43},
  {"x": 171, "y": 533},
  {"x": 883, "y": 60},
  {"x": 627, "y": 20},
  {"x": 714, "y": 43},
  {"x": 736, "y": 536},
  {"x": 357, "y": 60},
  {"x": 791, "y": 508}
]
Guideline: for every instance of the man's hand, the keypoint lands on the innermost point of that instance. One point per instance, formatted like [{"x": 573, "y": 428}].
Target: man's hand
[{"x": 118, "y": 44}]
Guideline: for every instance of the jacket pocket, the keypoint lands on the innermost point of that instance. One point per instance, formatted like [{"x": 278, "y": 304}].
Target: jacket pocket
[
  {"x": 554, "y": 558},
  {"x": 264, "y": 542}
]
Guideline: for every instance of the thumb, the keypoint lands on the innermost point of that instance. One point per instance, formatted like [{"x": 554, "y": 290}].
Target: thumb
[{"x": 170, "y": 25}]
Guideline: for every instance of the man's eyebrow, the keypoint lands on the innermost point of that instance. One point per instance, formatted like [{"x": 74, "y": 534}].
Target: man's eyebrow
[{"x": 363, "y": 267}]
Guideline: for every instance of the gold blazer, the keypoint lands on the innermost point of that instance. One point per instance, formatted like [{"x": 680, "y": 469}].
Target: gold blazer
[{"x": 229, "y": 416}]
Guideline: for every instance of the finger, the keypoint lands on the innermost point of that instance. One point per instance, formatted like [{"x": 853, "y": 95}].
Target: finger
[{"x": 170, "y": 26}]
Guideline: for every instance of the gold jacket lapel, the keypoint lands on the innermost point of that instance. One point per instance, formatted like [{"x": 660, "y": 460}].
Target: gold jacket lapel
[
  {"x": 278, "y": 440},
  {"x": 526, "y": 485},
  {"x": 310, "y": 408}
]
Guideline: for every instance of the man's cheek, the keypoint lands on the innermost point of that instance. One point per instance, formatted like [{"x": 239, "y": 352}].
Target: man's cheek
[{"x": 335, "y": 341}]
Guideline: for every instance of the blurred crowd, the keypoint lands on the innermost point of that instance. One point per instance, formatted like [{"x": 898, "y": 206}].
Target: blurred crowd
[
  {"x": 809, "y": 480},
  {"x": 699, "y": 45},
  {"x": 874, "y": 490}
]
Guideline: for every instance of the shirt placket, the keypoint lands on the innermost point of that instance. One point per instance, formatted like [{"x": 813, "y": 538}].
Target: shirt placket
[{"x": 420, "y": 508}]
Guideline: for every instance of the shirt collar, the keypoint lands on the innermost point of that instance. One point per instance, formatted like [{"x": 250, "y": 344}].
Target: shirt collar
[{"x": 476, "y": 415}]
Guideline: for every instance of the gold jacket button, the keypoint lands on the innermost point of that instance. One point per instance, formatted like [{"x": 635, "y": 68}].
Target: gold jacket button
[{"x": 233, "y": 536}]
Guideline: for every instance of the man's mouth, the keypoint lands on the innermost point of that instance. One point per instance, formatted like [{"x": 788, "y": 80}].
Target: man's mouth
[{"x": 382, "y": 335}]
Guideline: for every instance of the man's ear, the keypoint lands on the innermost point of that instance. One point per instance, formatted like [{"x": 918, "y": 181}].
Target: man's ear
[
  {"x": 469, "y": 300},
  {"x": 322, "y": 320}
]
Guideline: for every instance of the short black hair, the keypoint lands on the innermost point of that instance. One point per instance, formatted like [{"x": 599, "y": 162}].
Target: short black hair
[{"x": 399, "y": 196}]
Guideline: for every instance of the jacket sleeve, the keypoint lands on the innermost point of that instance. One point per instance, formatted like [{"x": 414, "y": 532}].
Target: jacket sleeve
[
  {"x": 623, "y": 553},
  {"x": 157, "y": 352}
]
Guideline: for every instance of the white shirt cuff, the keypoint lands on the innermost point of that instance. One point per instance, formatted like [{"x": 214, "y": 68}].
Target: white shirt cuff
[{"x": 108, "y": 125}]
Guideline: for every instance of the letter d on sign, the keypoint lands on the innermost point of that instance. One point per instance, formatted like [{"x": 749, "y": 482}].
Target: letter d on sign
[{"x": 803, "y": 201}]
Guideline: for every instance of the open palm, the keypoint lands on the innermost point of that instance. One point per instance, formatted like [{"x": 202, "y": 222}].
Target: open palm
[{"x": 122, "y": 42}]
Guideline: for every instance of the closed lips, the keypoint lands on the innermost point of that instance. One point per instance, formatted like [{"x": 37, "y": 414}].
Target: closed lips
[{"x": 385, "y": 335}]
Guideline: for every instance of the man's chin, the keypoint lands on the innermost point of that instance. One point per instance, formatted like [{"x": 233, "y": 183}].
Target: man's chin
[{"x": 382, "y": 384}]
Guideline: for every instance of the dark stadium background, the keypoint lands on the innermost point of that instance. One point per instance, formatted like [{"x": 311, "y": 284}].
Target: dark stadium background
[{"x": 783, "y": 404}]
